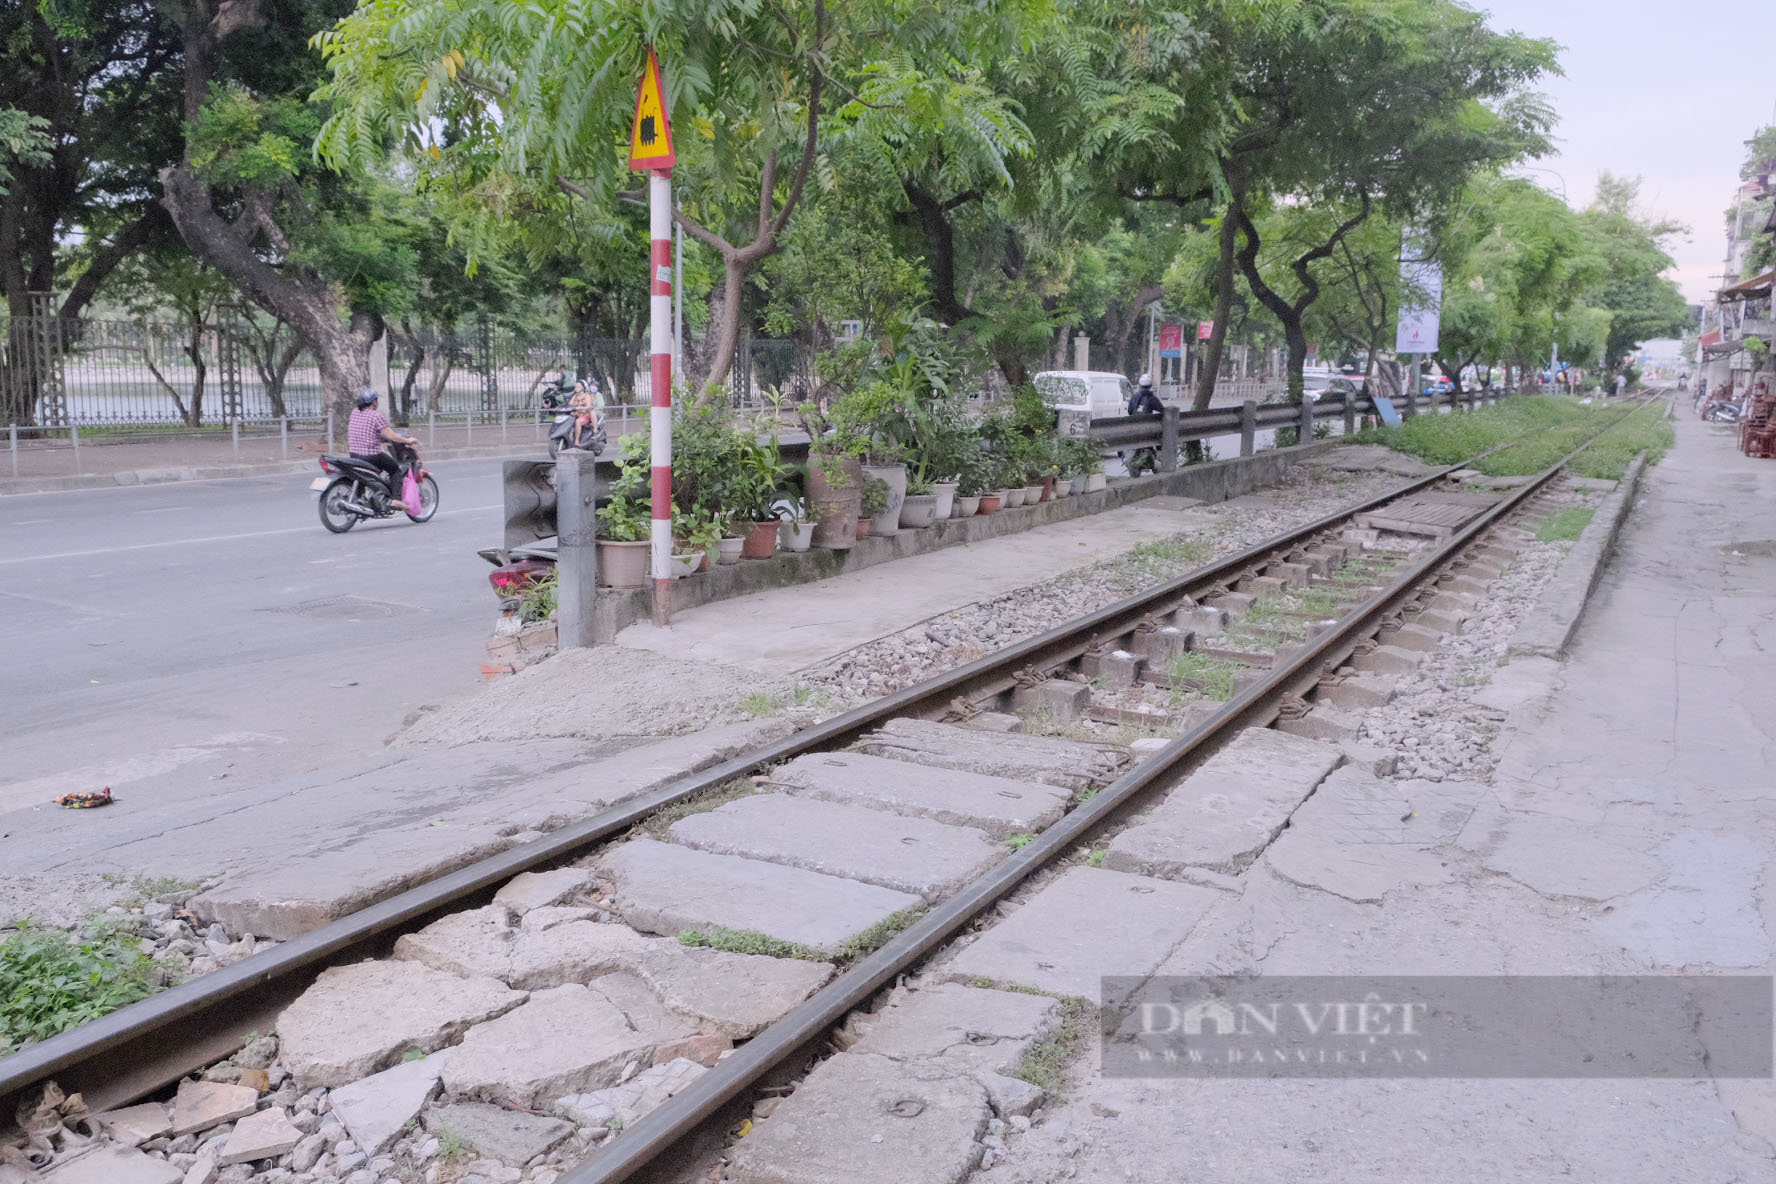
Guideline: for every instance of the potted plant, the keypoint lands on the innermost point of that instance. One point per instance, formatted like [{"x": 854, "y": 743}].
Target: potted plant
[
  {"x": 920, "y": 507},
  {"x": 974, "y": 481},
  {"x": 874, "y": 503},
  {"x": 834, "y": 480},
  {"x": 876, "y": 415},
  {"x": 694, "y": 537},
  {"x": 1094, "y": 468},
  {"x": 1011, "y": 483},
  {"x": 624, "y": 526},
  {"x": 796, "y": 528},
  {"x": 761, "y": 476}
]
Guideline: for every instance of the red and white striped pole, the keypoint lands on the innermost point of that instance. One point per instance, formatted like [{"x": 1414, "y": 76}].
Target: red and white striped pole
[{"x": 660, "y": 330}]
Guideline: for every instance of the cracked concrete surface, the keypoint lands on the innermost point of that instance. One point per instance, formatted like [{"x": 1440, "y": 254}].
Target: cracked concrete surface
[{"x": 1628, "y": 830}]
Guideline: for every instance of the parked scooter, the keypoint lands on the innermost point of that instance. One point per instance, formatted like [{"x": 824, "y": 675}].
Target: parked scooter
[
  {"x": 353, "y": 490},
  {"x": 1721, "y": 413}
]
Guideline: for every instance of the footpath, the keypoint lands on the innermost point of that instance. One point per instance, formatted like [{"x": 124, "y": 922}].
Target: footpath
[
  {"x": 106, "y": 461},
  {"x": 1628, "y": 828}
]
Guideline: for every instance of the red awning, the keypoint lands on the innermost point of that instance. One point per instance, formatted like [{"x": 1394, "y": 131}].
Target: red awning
[{"x": 1757, "y": 285}]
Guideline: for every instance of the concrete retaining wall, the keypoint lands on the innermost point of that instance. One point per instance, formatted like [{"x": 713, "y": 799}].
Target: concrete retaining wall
[
  {"x": 1546, "y": 632},
  {"x": 618, "y": 608}
]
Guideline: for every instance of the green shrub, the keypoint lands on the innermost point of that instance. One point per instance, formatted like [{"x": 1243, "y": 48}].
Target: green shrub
[{"x": 51, "y": 981}]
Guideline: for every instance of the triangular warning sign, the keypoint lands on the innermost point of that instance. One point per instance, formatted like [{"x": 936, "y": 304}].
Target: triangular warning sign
[{"x": 650, "y": 138}]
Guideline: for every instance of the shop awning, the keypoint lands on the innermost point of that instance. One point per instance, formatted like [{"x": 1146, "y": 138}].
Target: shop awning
[{"x": 1757, "y": 285}]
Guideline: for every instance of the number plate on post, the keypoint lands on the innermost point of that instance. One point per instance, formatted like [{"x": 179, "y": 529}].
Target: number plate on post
[{"x": 319, "y": 483}]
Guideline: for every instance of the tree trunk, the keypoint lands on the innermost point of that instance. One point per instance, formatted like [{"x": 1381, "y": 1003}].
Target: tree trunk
[
  {"x": 1209, "y": 371},
  {"x": 725, "y": 332},
  {"x": 306, "y": 302},
  {"x": 199, "y": 371}
]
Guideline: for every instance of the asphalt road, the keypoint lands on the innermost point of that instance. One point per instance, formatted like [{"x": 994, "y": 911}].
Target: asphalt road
[{"x": 196, "y": 632}]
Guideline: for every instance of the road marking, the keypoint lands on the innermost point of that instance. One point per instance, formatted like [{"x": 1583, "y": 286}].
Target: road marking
[{"x": 214, "y": 538}]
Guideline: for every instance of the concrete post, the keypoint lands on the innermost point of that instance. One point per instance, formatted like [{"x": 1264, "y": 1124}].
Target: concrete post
[
  {"x": 1168, "y": 441},
  {"x": 1248, "y": 426},
  {"x": 1081, "y": 352},
  {"x": 576, "y": 563},
  {"x": 234, "y": 432},
  {"x": 1350, "y": 415},
  {"x": 74, "y": 435},
  {"x": 379, "y": 364},
  {"x": 1305, "y": 433},
  {"x": 284, "y": 437},
  {"x": 12, "y": 440}
]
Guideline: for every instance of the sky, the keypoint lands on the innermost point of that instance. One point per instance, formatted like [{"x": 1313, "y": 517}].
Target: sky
[{"x": 1662, "y": 90}]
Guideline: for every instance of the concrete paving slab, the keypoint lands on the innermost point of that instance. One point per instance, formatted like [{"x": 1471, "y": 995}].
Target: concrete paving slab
[
  {"x": 493, "y": 791},
  {"x": 1705, "y": 911},
  {"x": 358, "y": 1019},
  {"x": 867, "y": 1119},
  {"x": 378, "y": 1108},
  {"x": 1067, "y": 764},
  {"x": 563, "y": 1040},
  {"x": 1353, "y": 805},
  {"x": 988, "y": 1031},
  {"x": 917, "y": 855},
  {"x": 1359, "y": 872},
  {"x": 1225, "y": 813},
  {"x": 135, "y": 1125},
  {"x": 506, "y": 1135},
  {"x": 1559, "y": 857},
  {"x": 665, "y": 888},
  {"x": 1087, "y": 924}
]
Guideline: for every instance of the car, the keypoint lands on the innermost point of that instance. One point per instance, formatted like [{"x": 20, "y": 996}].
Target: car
[
  {"x": 1081, "y": 396},
  {"x": 1318, "y": 382}
]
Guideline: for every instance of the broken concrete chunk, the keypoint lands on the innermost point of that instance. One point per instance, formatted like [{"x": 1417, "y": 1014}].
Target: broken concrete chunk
[
  {"x": 563, "y": 1040},
  {"x": 376, "y": 1109},
  {"x": 264, "y": 1135},
  {"x": 506, "y": 1135},
  {"x": 110, "y": 1164},
  {"x": 634, "y": 1099},
  {"x": 200, "y": 1105},
  {"x": 358, "y": 1019},
  {"x": 998, "y": 805},
  {"x": 535, "y": 890},
  {"x": 982, "y": 1029},
  {"x": 135, "y": 1125}
]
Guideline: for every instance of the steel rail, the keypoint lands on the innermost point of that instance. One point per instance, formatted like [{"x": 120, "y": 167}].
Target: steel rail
[
  {"x": 149, "y": 1044},
  {"x": 682, "y": 1114}
]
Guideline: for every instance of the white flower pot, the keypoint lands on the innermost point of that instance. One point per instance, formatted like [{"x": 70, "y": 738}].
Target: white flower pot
[
  {"x": 946, "y": 497},
  {"x": 796, "y": 536},
  {"x": 728, "y": 550}
]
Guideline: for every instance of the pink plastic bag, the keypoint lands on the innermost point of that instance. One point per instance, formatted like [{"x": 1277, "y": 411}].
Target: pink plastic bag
[{"x": 410, "y": 494}]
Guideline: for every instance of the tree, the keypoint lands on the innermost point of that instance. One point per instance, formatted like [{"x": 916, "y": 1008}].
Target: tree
[
  {"x": 162, "y": 279},
  {"x": 753, "y": 89},
  {"x": 1642, "y": 304}
]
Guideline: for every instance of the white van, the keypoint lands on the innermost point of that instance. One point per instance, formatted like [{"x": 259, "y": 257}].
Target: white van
[{"x": 1084, "y": 395}]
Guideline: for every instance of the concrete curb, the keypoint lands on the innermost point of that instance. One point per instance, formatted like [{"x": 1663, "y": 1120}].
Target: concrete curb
[
  {"x": 1547, "y": 633},
  {"x": 12, "y": 486}
]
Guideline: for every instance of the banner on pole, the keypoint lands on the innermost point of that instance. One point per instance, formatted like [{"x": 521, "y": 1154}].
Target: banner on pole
[
  {"x": 1171, "y": 341},
  {"x": 1205, "y": 330},
  {"x": 650, "y": 137},
  {"x": 1422, "y": 305}
]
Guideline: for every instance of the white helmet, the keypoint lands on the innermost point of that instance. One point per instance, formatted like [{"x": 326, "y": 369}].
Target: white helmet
[{"x": 1146, "y": 380}]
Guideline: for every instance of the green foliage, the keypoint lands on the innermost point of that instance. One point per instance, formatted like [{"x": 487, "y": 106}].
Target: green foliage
[
  {"x": 747, "y": 941},
  {"x": 875, "y": 496},
  {"x": 1565, "y": 525},
  {"x": 1019, "y": 841},
  {"x": 1540, "y": 430},
  {"x": 24, "y": 140},
  {"x": 51, "y": 981},
  {"x": 537, "y": 602},
  {"x": 1045, "y": 1064},
  {"x": 870, "y": 940}
]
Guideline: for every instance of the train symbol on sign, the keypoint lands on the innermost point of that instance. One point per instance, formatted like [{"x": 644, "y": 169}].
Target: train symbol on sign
[{"x": 648, "y": 132}]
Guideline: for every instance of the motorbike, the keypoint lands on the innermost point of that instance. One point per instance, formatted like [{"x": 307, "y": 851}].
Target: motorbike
[
  {"x": 555, "y": 393},
  {"x": 1721, "y": 413},
  {"x": 561, "y": 437},
  {"x": 353, "y": 490}
]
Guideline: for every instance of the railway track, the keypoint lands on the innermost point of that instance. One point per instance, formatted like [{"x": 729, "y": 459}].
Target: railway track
[{"x": 1266, "y": 636}]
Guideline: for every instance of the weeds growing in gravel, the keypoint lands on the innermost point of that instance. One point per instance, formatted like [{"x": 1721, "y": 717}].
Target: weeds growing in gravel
[
  {"x": 765, "y": 704},
  {"x": 1215, "y": 674},
  {"x": 661, "y": 820},
  {"x": 877, "y": 935},
  {"x": 51, "y": 981},
  {"x": 145, "y": 888},
  {"x": 1565, "y": 525}
]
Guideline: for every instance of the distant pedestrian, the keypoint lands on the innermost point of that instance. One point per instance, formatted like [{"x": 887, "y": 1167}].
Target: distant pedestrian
[{"x": 1621, "y": 384}]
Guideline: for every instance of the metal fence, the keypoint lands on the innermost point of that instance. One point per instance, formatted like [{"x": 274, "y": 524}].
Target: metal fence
[{"x": 140, "y": 375}]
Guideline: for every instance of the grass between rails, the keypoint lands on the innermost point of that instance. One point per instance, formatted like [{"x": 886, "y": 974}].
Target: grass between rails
[
  {"x": 1565, "y": 525},
  {"x": 750, "y": 941},
  {"x": 1549, "y": 428}
]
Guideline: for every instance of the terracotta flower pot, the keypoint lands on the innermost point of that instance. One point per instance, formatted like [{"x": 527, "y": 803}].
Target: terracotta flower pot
[
  {"x": 833, "y": 503},
  {"x": 761, "y": 540},
  {"x": 623, "y": 565},
  {"x": 863, "y": 529},
  {"x": 1048, "y": 489},
  {"x": 989, "y": 503}
]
